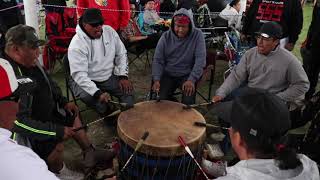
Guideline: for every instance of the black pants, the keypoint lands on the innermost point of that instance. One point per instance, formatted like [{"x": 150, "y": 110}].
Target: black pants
[
  {"x": 168, "y": 86},
  {"x": 311, "y": 65}
]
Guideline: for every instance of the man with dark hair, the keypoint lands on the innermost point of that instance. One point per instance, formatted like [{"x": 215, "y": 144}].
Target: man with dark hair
[
  {"x": 259, "y": 123},
  {"x": 45, "y": 118},
  {"x": 269, "y": 67},
  {"x": 98, "y": 63},
  {"x": 179, "y": 58},
  {"x": 288, "y": 13}
]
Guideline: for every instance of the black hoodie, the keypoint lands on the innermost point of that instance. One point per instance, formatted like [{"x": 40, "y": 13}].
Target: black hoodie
[{"x": 288, "y": 13}]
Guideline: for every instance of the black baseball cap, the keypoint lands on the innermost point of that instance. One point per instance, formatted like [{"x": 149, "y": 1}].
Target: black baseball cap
[
  {"x": 256, "y": 113},
  {"x": 270, "y": 29},
  {"x": 23, "y": 35},
  {"x": 92, "y": 16}
]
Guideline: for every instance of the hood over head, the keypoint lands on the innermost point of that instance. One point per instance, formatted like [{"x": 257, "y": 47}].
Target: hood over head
[{"x": 184, "y": 12}]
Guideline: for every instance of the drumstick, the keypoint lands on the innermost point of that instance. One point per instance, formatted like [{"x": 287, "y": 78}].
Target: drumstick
[
  {"x": 182, "y": 142},
  {"x": 202, "y": 124},
  {"x": 138, "y": 146},
  {"x": 118, "y": 103},
  {"x": 121, "y": 104},
  {"x": 96, "y": 121},
  {"x": 196, "y": 105}
]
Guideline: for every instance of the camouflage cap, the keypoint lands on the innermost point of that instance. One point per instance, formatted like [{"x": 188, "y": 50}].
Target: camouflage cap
[{"x": 23, "y": 35}]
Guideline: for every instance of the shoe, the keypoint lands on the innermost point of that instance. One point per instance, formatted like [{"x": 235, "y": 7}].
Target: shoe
[
  {"x": 67, "y": 174},
  {"x": 217, "y": 136},
  {"x": 214, "y": 151},
  {"x": 94, "y": 156},
  {"x": 215, "y": 169}
]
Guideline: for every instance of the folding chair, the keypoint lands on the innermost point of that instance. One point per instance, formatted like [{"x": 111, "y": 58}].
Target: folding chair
[
  {"x": 68, "y": 78},
  {"x": 70, "y": 18},
  {"x": 59, "y": 39},
  {"x": 138, "y": 54}
]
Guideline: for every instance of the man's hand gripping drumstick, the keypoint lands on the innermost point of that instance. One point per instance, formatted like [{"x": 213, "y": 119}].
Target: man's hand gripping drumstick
[{"x": 156, "y": 89}]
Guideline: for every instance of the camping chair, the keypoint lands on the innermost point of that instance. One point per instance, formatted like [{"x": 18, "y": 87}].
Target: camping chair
[
  {"x": 58, "y": 37},
  {"x": 137, "y": 54},
  {"x": 68, "y": 78}
]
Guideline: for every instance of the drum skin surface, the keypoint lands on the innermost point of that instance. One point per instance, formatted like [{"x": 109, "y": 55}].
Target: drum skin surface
[{"x": 165, "y": 121}]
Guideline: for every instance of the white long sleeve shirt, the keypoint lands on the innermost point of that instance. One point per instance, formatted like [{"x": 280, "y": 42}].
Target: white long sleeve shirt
[
  {"x": 19, "y": 162},
  {"x": 96, "y": 59}
]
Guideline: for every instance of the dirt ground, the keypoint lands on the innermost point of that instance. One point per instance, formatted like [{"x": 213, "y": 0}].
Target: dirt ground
[{"x": 140, "y": 75}]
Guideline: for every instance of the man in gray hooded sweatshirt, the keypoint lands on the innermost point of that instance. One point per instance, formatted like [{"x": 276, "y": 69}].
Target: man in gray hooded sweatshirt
[{"x": 179, "y": 58}]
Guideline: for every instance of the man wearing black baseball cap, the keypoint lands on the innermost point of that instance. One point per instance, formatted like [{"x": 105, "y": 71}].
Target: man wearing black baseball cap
[
  {"x": 98, "y": 63},
  {"x": 268, "y": 67},
  {"x": 259, "y": 124},
  {"x": 45, "y": 117},
  {"x": 17, "y": 162}
]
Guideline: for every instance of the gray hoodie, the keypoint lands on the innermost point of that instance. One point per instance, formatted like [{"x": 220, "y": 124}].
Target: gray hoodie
[
  {"x": 179, "y": 57},
  {"x": 266, "y": 169}
]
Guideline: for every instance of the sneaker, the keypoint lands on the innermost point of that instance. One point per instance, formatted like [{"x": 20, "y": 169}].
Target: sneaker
[
  {"x": 217, "y": 136},
  {"x": 215, "y": 169},
  {"x": 67, "y": 174},
  {"x": 214, "y": 151},
  {"x": 95, "y": 156}
]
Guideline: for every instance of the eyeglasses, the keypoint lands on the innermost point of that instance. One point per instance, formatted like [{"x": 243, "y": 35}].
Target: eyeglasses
[
  {"x": 96, "y": 24},
  {"x": 259, "y": 37}
]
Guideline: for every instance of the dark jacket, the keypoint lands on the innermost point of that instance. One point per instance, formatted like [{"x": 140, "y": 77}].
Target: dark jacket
[
  {"x": 313, "y": 38},
  {"x": 37, "y": 117},
  {"x": 288, "y": 13},
  {"x": 9, "y": 17}
]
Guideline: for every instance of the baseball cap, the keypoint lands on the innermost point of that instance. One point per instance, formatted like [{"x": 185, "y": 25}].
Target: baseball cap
[
  {"x": 270, "y": 29},
  {"x": 10, "y": 84},
  {"x": 23, "y": 35},
  {"x": 92, "y": 16},
  {"x": 256, "y": 114}
]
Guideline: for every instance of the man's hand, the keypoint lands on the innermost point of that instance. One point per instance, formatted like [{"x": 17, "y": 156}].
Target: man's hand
[
  {"x": 156, "y": 86},
  {"x": 68, "y": 132},
  {"x": 188, "y": 88},
  {"x": 72, "y": 108},
  {"x": 216, "y": 99},
  {"x": 289, "y": 46},
  {"x": 125, "y": 86},
  {"x": 104, "y": 97}
]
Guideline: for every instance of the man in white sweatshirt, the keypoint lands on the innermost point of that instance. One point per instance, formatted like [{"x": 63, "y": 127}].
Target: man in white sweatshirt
[{"x": 98, "y": 63}]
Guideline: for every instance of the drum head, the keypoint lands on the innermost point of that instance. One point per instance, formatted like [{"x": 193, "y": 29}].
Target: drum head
[{"x": 165, "y": 121}]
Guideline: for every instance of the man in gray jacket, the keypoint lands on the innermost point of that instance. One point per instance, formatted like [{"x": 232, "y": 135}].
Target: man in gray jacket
[
  {"x": 179, "y": 58},
  {"x": 98, "y": 63},
  {"x": 268, "y": 66}
]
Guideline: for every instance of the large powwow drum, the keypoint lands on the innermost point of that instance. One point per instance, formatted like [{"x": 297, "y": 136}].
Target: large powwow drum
[{"x": 161, "y": 156}]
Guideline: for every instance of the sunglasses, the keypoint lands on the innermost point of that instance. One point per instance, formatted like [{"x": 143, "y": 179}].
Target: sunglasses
[
  {"x": 259, "y": 37},
  {"x": 96, "y": 24}
]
